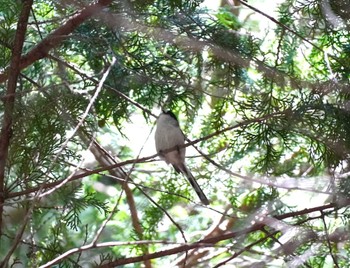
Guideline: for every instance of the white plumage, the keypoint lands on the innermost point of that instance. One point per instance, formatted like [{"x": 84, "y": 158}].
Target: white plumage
[{"x": 169, "y": 135}]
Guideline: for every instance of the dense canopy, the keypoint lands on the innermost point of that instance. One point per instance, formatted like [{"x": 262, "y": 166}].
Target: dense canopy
[{"x": 261, "y": 90}]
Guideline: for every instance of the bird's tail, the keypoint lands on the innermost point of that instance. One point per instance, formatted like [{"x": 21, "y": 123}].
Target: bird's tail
[{"x": 183, "y": 169}]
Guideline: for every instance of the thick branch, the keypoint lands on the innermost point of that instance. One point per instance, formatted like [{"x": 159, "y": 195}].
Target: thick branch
[
  {"x": 56, "y": 37},
  {"x": 209, "y": 242},
  {"x": 206, "y": 242},
  {"x": 14, "y": 70},
  {"x": 202, "y": 243}
]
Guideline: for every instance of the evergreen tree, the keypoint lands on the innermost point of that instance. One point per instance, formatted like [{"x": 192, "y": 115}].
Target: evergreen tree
[{"x": 261, "y": 91}]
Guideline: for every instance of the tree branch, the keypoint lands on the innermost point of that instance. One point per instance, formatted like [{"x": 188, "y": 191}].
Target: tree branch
[
  {"x": 144, "y": 159},
  {"x": 56, "y": 37},
  {"x": 213, "y": 240},
  {"x": 9, "y": 102},
  {"x": 207, "y": 242},
  {"x": 221, "y": 226},
  {"x": 335, "y": 262}
]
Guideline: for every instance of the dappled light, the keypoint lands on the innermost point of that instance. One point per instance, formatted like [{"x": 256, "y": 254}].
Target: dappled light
[{"x": 174, "y": 133}]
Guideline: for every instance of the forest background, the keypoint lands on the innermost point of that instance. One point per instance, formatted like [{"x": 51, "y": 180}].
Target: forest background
[{"x": 261, "y": 90}]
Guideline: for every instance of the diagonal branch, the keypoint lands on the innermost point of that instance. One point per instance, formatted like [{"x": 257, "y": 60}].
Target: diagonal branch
[
  {"x": 105, "y": 159},
  {"x": 56, "y": 37},
  {"x": 335, "y": 262},
  {"x": 80, "y": 123},
  {"x": 210, "y": 242},
  {"x": 147, "y": 158},
  {"x": 206, "y": 242}
]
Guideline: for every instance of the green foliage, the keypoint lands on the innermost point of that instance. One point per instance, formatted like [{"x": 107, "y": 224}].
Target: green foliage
[
  {"x": 275, "y": 98},
  {"x": 258, "y": 198},
  {"x": 228, "y": 19},
  {"x": 74, "y": 206},
  {"x": 8, "y": 19},
  {"x": 153, "y": 215}
]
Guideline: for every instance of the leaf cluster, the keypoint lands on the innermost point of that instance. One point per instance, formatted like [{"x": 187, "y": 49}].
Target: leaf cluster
[{"x": 278, "y": 107}]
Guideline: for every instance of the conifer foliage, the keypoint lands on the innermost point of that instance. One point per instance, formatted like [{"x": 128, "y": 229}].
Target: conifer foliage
[{"x": 262, "y": 93}]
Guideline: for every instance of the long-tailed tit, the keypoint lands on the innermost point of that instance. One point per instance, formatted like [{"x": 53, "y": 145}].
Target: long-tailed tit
[{"x": 169, "y": 135}]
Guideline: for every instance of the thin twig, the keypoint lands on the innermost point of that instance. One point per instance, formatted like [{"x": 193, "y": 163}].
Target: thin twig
[
  {"x": 118, "y": 92},
  {"x": 80, "y": 123},
  {"x": 145, "y": 159},
  {"x": 216, "y": 229},
  {"x": 289, "y": 185},
  {"x": 328, "y": 241},
  {"x": 209, "y": 242},
  {"x": 16, "y": 241},
  {"x": 239, "y": 252},
  {"x": 283, "y": 26},
  {"x": 102, "y": 245},
  {"x": 105, "y": 159}
]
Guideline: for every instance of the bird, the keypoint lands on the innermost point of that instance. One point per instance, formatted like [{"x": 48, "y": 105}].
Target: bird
[{"x": 169, "y": 135}]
